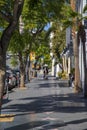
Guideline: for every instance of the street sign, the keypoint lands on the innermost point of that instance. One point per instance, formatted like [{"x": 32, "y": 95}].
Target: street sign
[{"x": 32, "y": 56}]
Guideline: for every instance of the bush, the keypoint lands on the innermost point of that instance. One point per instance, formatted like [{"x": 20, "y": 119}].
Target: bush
[
  {"x": 62, "y": 75},
  {"x": 59, "y": 74},
  {"x": 73, "y": 71}
]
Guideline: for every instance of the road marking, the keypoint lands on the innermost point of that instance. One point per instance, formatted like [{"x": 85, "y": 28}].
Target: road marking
[{"x": 6, "y": 117}]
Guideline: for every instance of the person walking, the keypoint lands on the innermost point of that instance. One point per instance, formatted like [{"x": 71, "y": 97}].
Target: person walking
[{"x": 70, "y": 80}]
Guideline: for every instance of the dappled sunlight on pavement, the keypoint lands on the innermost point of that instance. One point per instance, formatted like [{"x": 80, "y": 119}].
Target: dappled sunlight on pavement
[{"x": 46, "y": 105}]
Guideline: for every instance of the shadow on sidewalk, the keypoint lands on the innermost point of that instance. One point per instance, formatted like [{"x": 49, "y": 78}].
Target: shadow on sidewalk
[
  {"x": 62, "y": 103},
  {"x": 45, "y": 125},
  {"x": 70, "y": 103},
  {"x": 38, "y": 125}
]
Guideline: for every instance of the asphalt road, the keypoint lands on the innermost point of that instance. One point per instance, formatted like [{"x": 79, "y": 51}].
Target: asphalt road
[{"x": 45, "y": 105}]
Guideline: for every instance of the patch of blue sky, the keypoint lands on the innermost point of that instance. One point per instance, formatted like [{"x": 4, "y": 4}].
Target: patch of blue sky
[{"x": 47, "y": 26}]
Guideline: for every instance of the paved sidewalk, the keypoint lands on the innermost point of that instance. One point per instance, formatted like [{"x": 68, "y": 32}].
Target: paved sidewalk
[{"x": 45, "y": 105}]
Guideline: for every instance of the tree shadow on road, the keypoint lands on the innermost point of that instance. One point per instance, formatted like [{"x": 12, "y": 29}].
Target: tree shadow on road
[
  {"x": 38, "y": 125},
  {"x": 62, "y": 103},
  {"x": 45, "y": 125},
  {"x": 70, "y": 103}
]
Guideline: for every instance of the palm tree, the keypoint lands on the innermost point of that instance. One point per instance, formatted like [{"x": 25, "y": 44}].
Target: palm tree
[
  {"x": 77, "y": 37},
  {"x": 75, "y": 48},
  {"x": 9, "y": 14}
]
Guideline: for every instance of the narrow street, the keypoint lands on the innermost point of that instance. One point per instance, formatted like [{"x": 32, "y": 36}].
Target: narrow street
[{"x": 45, "y": 105}]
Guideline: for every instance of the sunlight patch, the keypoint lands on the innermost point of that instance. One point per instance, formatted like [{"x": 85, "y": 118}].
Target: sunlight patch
[{"x": 6, "y": 117}]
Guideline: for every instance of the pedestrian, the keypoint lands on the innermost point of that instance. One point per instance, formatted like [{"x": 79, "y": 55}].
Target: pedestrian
[
  {"x": 70, "y": 80},
  {"x": 7, "y": 79},
  {"x": 47, "y": 71},
  {"x": 44, "y": 73}
]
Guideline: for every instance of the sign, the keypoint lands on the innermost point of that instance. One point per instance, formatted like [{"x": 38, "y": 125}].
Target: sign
[{"x": 32, "y": 56}]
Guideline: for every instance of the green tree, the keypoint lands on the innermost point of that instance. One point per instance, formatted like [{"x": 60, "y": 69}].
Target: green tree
[
  {"x": 74, "y": 19},
  {"x": 59, "y": 41},
  {"x": 21, "y": 45},
  {"x": 79, "y": 36},
  {"x": 10, "y": 12},
  {"x": 9, "y": 15},
  {"x": 36, "y": 18},
  {"x": 70, "y": 19},
  {"x": 76, "y": 49},
  {"x": 17, "y": 47},
  {"x": 43, "y": 51}
]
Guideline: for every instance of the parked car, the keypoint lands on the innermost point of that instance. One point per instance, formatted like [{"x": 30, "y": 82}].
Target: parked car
[{"x": 11, "y": 80}]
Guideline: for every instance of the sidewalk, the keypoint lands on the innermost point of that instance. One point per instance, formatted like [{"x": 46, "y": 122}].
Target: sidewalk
[{"x": 45, "y": 105}]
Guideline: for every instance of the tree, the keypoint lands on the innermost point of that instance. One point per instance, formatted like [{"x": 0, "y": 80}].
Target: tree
[
  {"x": 78, "y": 34},
  {"x": 58, "y": 41},
  {"x": 76, "y": 48},
  {"x": 10, "y": 12},
  {"x": 70, "y": 19},
  {"x": 41, "y": 13},
  {"x": 43, "y": 53},
  {"x": 17, "y": 47},
  {"x": 21, "y": 45}
]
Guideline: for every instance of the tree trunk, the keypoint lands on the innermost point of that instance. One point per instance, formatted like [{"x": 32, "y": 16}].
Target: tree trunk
[
  {"x": 2, "y": 76},
  {"x": 22, "y": 79},
  {"x": 75, "y": 48},
  {"x": 4, "y": 42},
  {"x": 29, "y": 71},
  {"x": 76, "y": 56},
  {"x": 22, "y": 71}
]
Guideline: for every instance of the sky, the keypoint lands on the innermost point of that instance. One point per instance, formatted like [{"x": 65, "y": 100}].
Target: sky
[{"x": 47, "y": 26}]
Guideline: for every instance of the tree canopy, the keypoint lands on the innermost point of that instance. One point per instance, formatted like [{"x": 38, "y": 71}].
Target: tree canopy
[{"x": 59, "y": 41}]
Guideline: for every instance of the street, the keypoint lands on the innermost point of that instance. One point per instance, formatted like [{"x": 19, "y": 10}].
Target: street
[{"x": 45, "y": 105}]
